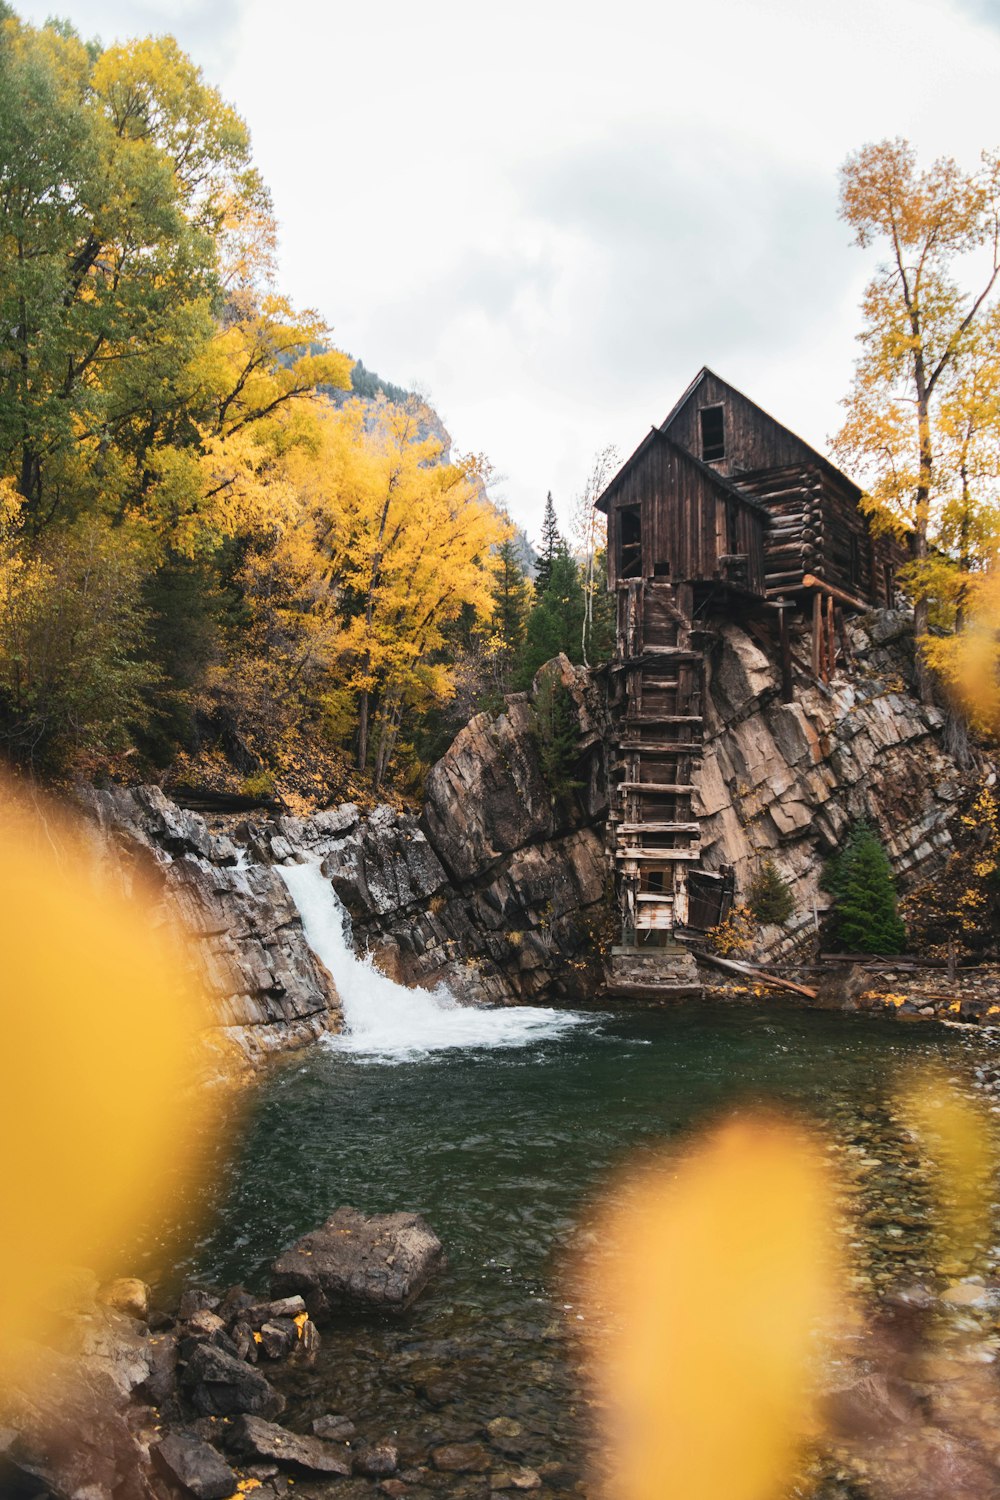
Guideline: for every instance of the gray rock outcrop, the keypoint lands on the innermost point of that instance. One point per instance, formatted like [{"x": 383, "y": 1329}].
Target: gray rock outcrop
[
  {"x": 787, "y": 780},
  {"x": 269, "y": 990},
  {"x": 499, "y": 888},
  {"x": 359, "y": 1263}
]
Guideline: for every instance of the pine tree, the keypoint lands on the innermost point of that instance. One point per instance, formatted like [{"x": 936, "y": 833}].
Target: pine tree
[
  {"x": 860, "y": 879},
  {"x": 555, "y": 623},
  {"x": 770, "y": 896},
  {"x": 512, "y": 595},
  {"x": 549, "y": 547},
  {"x": 557, "y": 734}
]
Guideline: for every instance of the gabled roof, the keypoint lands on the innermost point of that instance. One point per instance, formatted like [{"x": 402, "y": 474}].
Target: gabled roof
[
  {"x": 811, "y": 453},
  {"x": 719, "y": 481}
]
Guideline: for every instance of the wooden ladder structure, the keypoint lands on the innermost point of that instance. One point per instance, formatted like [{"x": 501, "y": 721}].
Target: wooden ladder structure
[{"x": 657, "y": 700}]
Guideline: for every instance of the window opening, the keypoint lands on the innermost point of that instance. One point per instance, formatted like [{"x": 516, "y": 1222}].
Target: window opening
[
  {"x": 629, "y": 542},
  {"x": 713, "y": 433}
]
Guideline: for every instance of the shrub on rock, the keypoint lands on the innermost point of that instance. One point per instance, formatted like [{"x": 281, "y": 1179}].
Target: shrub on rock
[
  {"x": 860, "y": 879},
  {"x": 770, "y": 896}
]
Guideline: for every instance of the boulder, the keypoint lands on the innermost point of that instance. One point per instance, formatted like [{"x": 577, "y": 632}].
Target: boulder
[
  {"x": 252, "y": 1438},
  {"x": 461, "y": 1458},
  {"x": 334, "y": 1428},
  {"x": 377, "y": 1462},
  {"x": 127, "y": 1294},
  {"x": 195, "y": 1466},
  {"x": 220, "y": 1385},
  {"x": 357, "y": 1262},
  {"x": 65, "y": 1433}
]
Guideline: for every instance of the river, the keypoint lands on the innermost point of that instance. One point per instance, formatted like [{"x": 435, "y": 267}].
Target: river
[{"x": 499, "y": 1127}]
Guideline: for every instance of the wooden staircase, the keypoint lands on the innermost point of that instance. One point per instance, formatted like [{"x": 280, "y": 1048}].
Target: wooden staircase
[{"x": 656, "y": 699}]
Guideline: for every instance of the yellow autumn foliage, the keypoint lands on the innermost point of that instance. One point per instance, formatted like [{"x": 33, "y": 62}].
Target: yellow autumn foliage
[
  {"x": 715, "y": 1277},
  {"x": 101, "y": 1022}
]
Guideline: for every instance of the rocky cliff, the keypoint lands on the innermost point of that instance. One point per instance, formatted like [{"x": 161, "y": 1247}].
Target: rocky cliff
[
  {"x": 500, "y": 887},
  {"x": 787, "y": 780},
  {"x": 269, "y": 991}
]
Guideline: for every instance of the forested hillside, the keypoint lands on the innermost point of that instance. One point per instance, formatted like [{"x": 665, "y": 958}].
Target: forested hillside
[{"x": 229, "y": 554}]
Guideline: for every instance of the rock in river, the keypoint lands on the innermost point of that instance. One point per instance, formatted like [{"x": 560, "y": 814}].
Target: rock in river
[
  {"x": 195, "y": 1466},
  {"x": 357, "y": 1262},
  {"x": 251, "y": 1438},
  {"x": 221, "y": 1385}
]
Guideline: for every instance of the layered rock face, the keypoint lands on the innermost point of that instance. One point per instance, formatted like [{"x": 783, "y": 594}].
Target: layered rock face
[
  {"x": 500, "y": 888},
  {"x": 787, "y": 780},
  {"x": 497, "y": 890},
  {"x": 269, "y": 990}
]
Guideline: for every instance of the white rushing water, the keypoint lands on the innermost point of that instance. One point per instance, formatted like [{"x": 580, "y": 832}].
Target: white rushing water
[{"x": 386, "y": 1020}]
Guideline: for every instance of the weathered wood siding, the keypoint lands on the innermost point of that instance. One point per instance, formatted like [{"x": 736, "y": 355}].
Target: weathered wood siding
[
  {"x": 753, "y": 439},
  {"x": 816, "y": 527},
  {"x": 689, "y": 522}
]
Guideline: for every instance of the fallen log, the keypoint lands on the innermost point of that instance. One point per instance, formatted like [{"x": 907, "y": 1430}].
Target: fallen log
[{"x": 732, "y": 966}]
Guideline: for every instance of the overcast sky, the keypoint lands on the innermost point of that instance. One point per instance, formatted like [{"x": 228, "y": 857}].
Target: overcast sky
[{"x": 547, "y": 216}]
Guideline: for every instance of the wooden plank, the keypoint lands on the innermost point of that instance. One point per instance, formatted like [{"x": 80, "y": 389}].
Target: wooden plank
[
  {"x": 660, "y": 855},
  {"x": 657, "y": 787},
  {"x": 660, "y": 828}
]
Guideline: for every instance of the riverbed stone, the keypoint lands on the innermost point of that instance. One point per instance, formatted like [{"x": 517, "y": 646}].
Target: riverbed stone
[
  {"x": 279, "y": 1338},
  {"x": 334, "y": 1428},
  {"x": 221, "y": 1385},
  {"x": 196, "y": 1466},
  {"x": 461, "y": 1458},
  {"x": 358, "y": 1262},
  {"x": 377, "y": 1462},
  {"x": 251, "y": 1437}
]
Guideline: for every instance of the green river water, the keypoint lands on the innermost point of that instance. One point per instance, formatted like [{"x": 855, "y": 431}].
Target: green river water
[{"x": 500, "y": 1149}]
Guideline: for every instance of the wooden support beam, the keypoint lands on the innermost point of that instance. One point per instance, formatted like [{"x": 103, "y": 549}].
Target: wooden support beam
[
  {"x": 787, "y": 693},
  {"x": 817, "y": 635},
  {"x": 831, "y": 640},
  {"x": 810, "y": 581}
]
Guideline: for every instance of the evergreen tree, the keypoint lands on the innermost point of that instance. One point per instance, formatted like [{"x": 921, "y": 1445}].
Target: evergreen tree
[
  {"x": 556, "y": 621},
  {"x": 770, "y": 896},
  {"x": 512, "y": 597},
  {"x": 860, "y": 880},
  {"x": 549, "y": 548},
  {"x": 557, "y": 734}
]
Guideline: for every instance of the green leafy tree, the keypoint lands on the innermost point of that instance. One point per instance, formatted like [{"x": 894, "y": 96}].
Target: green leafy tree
[
  {"x": 926, "y": 312},
  {"x": 860, "y": 879},
  {"x": 551, "y": 544},
  {"x": 770, "y": 896}
]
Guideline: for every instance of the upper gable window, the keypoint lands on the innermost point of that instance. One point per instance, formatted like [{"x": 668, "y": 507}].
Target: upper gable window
[{"x": 713, "y": 433}]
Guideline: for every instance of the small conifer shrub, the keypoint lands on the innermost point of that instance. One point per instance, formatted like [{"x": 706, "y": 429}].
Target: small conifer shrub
[
  {"x": 770, "y": 896},
  {"x": 860, "y": 879}
]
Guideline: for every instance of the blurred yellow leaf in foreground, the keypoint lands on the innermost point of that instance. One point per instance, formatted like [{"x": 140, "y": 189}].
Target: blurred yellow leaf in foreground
[
  {"x": 99, "y": 1023},
  {"x": 714, "y": 1279}
]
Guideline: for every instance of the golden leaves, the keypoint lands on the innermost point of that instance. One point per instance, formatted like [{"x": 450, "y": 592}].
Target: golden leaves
[
  {"x": 716, "y": 1273},
  {"x": 99, "y": 1062}
]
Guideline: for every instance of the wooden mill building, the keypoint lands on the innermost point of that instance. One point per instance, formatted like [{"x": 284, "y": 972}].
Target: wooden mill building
[{"x": 720, "y": 510}]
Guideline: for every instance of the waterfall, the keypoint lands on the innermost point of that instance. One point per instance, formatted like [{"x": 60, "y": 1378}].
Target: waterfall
[{"x": 388, "y": 1021}]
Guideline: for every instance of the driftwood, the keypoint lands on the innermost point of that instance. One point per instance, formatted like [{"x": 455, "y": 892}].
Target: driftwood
[{"x": 732, "y": 966}]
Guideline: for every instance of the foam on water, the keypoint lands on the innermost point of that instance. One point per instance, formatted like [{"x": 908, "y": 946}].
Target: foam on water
[{"x": 386, "y": 1020}]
